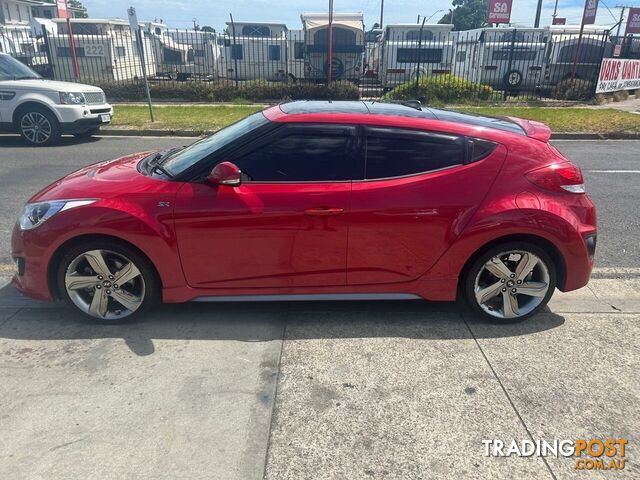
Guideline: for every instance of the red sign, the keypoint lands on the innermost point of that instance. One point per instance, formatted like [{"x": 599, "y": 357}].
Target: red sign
[
  {"x": 633, "y": 22},
  {"x": 560, "y": 21},
  {"x": 617, "y": 50},
  {"x": 62, "y": 9},
  {"x": 590, "y": 11},
  {"x": 499, "y": 11}
]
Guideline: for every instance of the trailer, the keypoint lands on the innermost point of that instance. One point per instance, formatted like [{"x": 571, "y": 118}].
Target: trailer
[
  {"x": 105, "y": 50},
  {"x": 254, "y": 50},
  {"x": 409, "y": 50},
  {"x": 295, "y": 54},
  {"x": 347, "y": 46},
  {"x": 183, "y": 54},
  {"x": 562, "y": 46},
  {"x": 508, "y": 59}
]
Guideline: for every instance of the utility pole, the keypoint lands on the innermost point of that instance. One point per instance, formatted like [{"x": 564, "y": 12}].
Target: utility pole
[
  {"x": 555, "y": 12},
  {"x": 330, "y": 44},
  {"x": 381, "y": 12},
  {"x": 538, "y": 10},
  {"x": 622, "y": 9}
]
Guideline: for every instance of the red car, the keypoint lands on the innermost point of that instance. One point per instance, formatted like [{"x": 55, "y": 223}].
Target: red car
[{"x": 318, "y": 200}]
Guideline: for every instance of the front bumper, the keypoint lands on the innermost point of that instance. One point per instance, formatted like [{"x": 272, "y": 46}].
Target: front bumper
[
  {"x": 80, "y": 118},
  {"x": 31, "y": 278}
]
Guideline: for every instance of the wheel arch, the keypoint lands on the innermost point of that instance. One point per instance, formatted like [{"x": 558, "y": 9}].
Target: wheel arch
[
  {"x": 30, "y": 104},
  {"x": 546, "y": 245},
  {"x": 56, "y": 258}
]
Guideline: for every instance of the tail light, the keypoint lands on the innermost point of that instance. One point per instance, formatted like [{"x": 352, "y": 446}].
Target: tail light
[{"x": 558, "y": 177}]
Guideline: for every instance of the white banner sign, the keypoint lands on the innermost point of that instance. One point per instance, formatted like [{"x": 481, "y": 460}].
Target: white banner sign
[{"x": 618, "y": 74}]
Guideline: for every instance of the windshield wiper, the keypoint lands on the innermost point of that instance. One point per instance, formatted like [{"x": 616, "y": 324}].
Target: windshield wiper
[
  {"x": 156, "y": 162},
  {"x": 161, "y": 169},
  {"x": 26, "y": 77}
]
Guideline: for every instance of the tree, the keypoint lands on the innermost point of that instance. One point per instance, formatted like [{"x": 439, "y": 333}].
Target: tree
[
  {"x": 467, "y": 14},
  {"x": 81, "y": 10},
  {"x": 208, "y": 29}
]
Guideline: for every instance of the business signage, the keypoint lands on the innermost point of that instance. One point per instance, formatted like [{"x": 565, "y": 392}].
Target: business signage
[
  {"x": 499, "y": 11},
  {"x": 618, "y": 74},
  {"x": 633, "y": 22},
  {"x": 63, "y": 11},
  {"x": 560, "y": 21},
  {"x": 590, "y": 12}
]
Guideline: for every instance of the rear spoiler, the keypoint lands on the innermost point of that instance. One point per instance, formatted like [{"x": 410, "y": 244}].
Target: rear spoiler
[{"x": 533, "y": 129}]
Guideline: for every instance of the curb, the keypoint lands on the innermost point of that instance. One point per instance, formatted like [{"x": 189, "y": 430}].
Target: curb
[{"x": 107, "y": 132}]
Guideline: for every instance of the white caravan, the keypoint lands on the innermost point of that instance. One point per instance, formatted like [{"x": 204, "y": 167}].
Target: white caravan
[
  {"x": 347, "y": 46},
  {"x": 182, "y": 54},
  {"x": 295, "y": 54},
  {"x": 254, "y": 50},
  {"x": 561, "y": 47},
  {"x": 105, "y": 50},
  {"x": 505, "y": 58},
  {"x": 409, "y": 48}
]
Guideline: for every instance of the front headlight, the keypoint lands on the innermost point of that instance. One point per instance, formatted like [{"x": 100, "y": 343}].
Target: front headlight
[
  {"x": 72, "y": 98},
  {"x": 35, "y": 214}
]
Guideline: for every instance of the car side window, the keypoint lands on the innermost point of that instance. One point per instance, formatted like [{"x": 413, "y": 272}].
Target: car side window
[
  {"x": 299, "y": 157},
  {"x": 399, "y": 153}
]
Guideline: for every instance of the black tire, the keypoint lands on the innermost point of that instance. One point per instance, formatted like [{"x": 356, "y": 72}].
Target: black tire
[
  {"x": 512, "y": 79},
  {"x": 151, "y": 283},
  {"x": 88, "y": 134},
  {"x": 469, "y": 279},
  {"x": 27, "y": 119}
]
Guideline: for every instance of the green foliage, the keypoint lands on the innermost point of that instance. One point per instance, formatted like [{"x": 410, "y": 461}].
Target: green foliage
[
  {"x": 226, "y": 91},
  {"x": 467, "y": 14},
  {"x": 577, "y": 89},
  {"x": 441, "y": 88},
  {"x": 81, "y": 11}
]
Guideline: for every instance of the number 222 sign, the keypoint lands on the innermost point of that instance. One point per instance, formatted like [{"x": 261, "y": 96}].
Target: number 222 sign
[{"x": 499, "y": 11}]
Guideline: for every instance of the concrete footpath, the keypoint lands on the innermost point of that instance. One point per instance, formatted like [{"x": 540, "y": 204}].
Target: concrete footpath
[{"x": 316, "y": 390}]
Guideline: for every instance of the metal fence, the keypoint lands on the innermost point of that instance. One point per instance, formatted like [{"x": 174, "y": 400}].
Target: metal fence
[{"x": 477, "y": 64}]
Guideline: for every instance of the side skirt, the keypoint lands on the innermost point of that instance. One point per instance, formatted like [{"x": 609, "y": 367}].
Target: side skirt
[{"x": 308, "y": 297}]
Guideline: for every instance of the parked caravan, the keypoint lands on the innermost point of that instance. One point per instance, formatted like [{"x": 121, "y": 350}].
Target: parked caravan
[
  {"x": 347, "y": 46},
  {"x": 295, "y": 54},
  {"x": 105, "y": 50},
  {"x": 254, "y": 50},
  {"x": 561, "y": 48},
  {"x": 410, "y": 49},
  {"x": 372, "y": 53},
  {"x": 504, "y": 58}
]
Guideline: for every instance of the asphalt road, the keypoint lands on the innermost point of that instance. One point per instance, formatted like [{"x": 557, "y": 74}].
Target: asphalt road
[{"x": 611, "y": 169}]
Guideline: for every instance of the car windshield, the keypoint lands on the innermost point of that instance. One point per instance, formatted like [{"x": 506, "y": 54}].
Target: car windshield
[
  {"x": 182, "y": 160},
  {"x": 12, "y": 69}
]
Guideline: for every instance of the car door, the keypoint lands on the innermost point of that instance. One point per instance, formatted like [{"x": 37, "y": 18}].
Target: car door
[
  {"x": 416, "y": 193},
  {"x": 284, "y": 226}
]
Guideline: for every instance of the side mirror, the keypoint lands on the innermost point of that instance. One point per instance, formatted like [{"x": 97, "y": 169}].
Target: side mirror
[{"x": 225, "y": 173}]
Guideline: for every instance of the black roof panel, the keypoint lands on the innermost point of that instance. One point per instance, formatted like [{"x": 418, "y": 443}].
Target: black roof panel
[{"x": 396, "y": 109}]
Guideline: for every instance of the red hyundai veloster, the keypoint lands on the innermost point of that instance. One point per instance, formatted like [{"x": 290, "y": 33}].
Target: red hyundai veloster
[{"x": 318, "y": 200}]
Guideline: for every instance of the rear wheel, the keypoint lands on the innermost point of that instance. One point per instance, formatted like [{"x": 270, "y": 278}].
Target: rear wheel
[
  {"x": 510, "y": 282},
  {"x": 108, "y": 281},
  {"x": 38, "y": 126},
  {"x": 88, "y": 134}
]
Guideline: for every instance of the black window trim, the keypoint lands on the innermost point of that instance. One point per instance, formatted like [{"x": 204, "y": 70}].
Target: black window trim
[
  {"x": 395, "y": 132},
  {"x": 287, "y": 129}
]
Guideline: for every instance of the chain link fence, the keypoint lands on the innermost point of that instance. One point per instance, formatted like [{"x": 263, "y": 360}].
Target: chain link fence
[{"x": 408, "y": 60}]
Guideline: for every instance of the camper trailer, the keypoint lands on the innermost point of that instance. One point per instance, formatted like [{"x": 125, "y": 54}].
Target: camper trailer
[
  {"x": 505, "y": 58},
  {"x": 105, "y": 50},
  {"x": 295, "y": 54},
  {"x": 409, "y": 50},
  {"x": 183, "y": 54},
  {"x": 254, "y": 50},
  {"x": 561, "y": 48},
  {"x": 347, "y": 46}
]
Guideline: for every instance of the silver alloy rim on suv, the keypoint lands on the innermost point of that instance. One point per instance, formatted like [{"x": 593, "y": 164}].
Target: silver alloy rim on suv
[
  {"x": 36, "y": 127},
  {"x": 511, "y": 284},
  {"x": 104, "y": 284}
]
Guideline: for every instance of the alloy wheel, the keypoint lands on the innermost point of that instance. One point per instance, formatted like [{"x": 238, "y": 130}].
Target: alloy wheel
[
  {"x": 105, "y": 284},
  {"x": 36, "y": 127},
  {"x": 511, "y": 284}
]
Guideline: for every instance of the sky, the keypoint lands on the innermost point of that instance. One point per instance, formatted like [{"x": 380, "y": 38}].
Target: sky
[{"x": 180, "y": 13}]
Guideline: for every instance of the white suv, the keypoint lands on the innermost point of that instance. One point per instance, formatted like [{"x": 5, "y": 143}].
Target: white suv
[{"x": 41, "y": 110}]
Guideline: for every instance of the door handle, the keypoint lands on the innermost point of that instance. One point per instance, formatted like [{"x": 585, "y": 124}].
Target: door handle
[{"x": 323, "y": 211}]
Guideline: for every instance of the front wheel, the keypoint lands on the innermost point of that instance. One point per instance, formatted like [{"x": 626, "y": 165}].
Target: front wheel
[
  {"x": 39, "y": 126},
  {"x": 510, "y": 282},
  {"x": 110, "y": 282}
]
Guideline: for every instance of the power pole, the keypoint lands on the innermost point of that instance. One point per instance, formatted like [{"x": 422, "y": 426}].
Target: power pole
[
  {"x": 538, "y": 10},
  {"x": 381, "y": 12},
  {"x": 622, "y": 9},
  {"x": 555, "y": 12}
]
